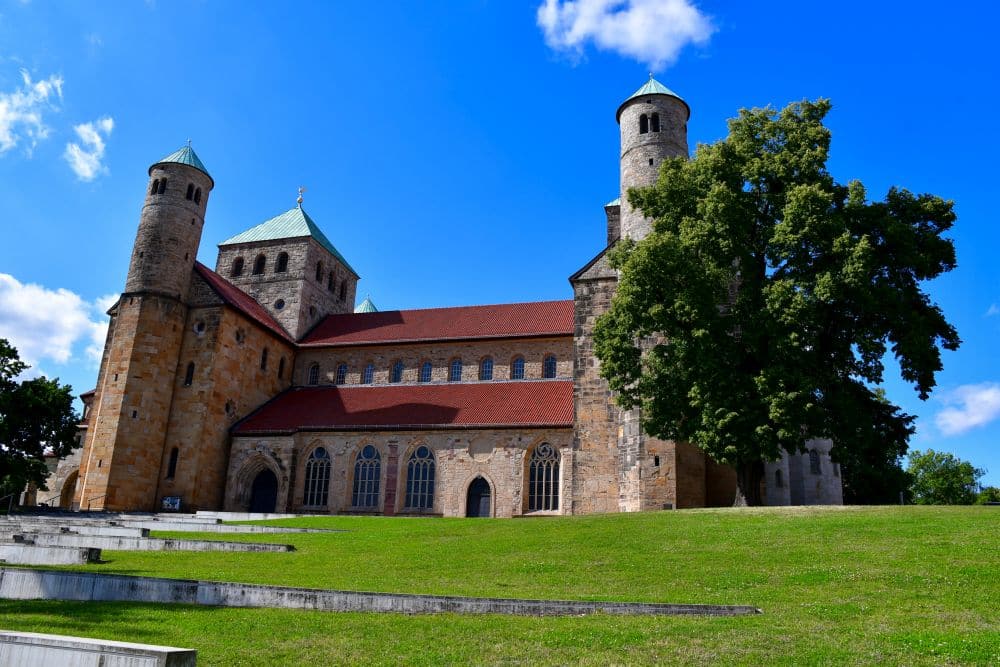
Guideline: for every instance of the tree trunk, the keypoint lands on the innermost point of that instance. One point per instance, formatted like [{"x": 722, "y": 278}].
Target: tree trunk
[{"x": 748, "y": 476}]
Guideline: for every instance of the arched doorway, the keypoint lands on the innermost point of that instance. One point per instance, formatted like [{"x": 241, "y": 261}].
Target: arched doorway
[
  {"x": 264, "y": 492},
  {"x": 68, "y": 491},
  {"x": 477, "y": 502}
]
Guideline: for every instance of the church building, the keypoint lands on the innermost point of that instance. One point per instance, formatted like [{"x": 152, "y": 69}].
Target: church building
[{"x": 257, "y": 385}]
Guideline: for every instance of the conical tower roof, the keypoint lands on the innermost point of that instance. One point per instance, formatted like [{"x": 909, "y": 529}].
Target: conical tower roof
[
  {"x": 366, "y": 306},
  {"x": 185, "y": 155},
  {"x": 292, "y": 224},
  {"x": 652, "y": 87}
]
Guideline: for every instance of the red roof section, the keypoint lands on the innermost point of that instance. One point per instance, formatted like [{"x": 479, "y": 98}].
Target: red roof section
[
  {"x": 510, "y": 320},
  {"x": 241, "y": 301},
  {"x": 525, "y": 403}
]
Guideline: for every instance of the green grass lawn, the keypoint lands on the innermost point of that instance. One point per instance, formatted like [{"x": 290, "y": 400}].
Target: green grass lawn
[{"x": 891, "y": 585}]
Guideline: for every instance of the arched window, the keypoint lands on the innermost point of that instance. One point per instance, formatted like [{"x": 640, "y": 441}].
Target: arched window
[
  {"x": 778, "y": 479},
  {"x": 258, "y": 265},
  {"x": 654, "y": 123},
  {"x": 814, "y": 462},
  {"x": 237, "y": 269},
  {"x": 420, "y": 480},
  {"x": 341, "y": 374},
  {"x": 197, "y": 196},
  {"x": 517, "y": 368},
  {"x": 367, "y": 476},
  {"x": 172, "y": 464},
  {"x": 317, "y": 485},
  {"x": 163, "y": 186},
  {"x": 486, "y": 368},
  {"x": 190, "y": 193},
  {"x": 549, "y": 366},
  {"x": 263, "y": 360},
  {"x": 543, "y": 479},
  {"x": 343, "y": 290},
  {"x": 313, "y": 374},
  {"x": 189, "y": 375},
  {"x": 397, "y": 371},
  {"x": 319, "y": 272},
  {"x": 281, "y": 368},
  {"x": 369, "y": 374},
  {"x": 282, "y": 264},
  {"x": 426, "y": 369},
  {"x": 643, "y": 124},
  {"x": 331, "y": 284},
  {"x": 455, "y": 370},
  {"x": 155, "y": 187}
]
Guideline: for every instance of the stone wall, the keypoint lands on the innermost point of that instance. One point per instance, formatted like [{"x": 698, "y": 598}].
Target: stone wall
[
  {"x": 460, "y": 456},
  {"x": 440, "y": 354},
  {"x": 802, "y": 485}
]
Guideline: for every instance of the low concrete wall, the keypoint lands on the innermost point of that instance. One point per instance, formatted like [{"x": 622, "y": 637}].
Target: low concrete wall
[
  {"x": 40, "y": 650},
  {"x": 146, "y": 543},
  {"x": 23, "y": 584},
  {"x": 75, "y": 529},
  {"x": 184, "y": 526},
  {"x": 29, "y": 554},
  {"x": 247, "y": 516}
]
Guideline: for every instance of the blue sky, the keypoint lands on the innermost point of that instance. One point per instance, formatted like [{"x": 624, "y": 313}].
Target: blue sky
[{"x": 460, "y": 152}]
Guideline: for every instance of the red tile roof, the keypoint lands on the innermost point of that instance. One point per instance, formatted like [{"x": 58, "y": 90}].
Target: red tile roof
[
  {"x": 527, "y": 403},
  {"x": 241, "y": 301},
  {"x": 511, "y": 320}
]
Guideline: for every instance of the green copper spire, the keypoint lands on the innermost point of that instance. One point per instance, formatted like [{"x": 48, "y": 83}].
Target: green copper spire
[
  {"x": 366, "y": 306},
  {"x": 185, "y": 155},
  {"x": 651, "y": 87}
]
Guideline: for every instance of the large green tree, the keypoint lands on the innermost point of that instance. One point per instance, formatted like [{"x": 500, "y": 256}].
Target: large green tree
[
  {"x": 35, "y": 416},
  {"x": 941, "y": 478},
  {"x": 759, "y": 309}
]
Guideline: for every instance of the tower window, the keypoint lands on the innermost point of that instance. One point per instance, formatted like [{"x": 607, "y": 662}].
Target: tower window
[
  {"x": 814, "y": 462},
  {"x": 282, "y": 264},
  {"x": 397, "y": 371},
  {"x": 281, "y": 368},
  {"x": 258, "y": 265},
  {"x": 643, "y": 124},
  {"x": 163, "y": 186},
  {"x": 455, "y": 370},
  {"x": 190, "y": 192},
  {"x": 549, "y": 366},
  {"x": 517, "y": 368},
  {"x": 155, "y": 188},
  {"x": 650, "y": 162},
  {"x": 237, "y": 269},
  {"x": 172, "y": 464},
  {"x": 341, "y": 374},
  {"x": 197, "y": 196},
  {"x": 486, "y": 368},
  {"x": 654, "y": 122},
  {"x": 343, "y": 290},
  {"x": 189, "y": 375},
  {"x": 263, "y": 360},
  {"x": 331, "y": 284},
  {"x": 426, "y": 369},
  {"x": 313, "y": 374},
  {"x": 369, "y": 374},
  {"x": 319, "y": 272}
]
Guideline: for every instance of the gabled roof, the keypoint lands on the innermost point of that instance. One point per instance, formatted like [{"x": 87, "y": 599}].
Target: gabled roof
[
  {"x": 516, "y": 404},
  {"x": 293, "y": 223},
  {"x": 366, "y": 306},
  {"x": 511, "y": 320},
  {"x": 651, "y": 87},
  {"x": 241, "y": 301},
  {"x": 184, "y": 155}
]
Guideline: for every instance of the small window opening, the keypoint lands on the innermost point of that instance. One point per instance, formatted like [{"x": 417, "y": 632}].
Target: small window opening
[
  {"x": 197, "y": 196},
  {"x": 319, "y": 272},
  {"x": 156, "y": 187},
  {"x": 259, "y": 264},
  {"x": 643, "y": 124},
  {"x": 397, "y": 371},
  {"x": 517, "y": 368},
  {"x": 814, "y": 462},
  {"x": 654, "y": 122},
  {"x": 331, "y": 284},
  {"x": 237, "y": 269},
  {"x": 190, "y": 192},
  {"x": 341, "y": 374},
  {"x": 455, "y": 370},
  {"x": 343, "y": 290},
  {"x": 135, "y": 414},
  {"x": 549, "y": 366},
  {"x": 426, "y": 370},
  {"x": 163, "y": 187},
  {"x": 369, "y": 375},
  {"x": 263, "y": 360},
  {"x": 314, "y": 374},
  {"x": 656, "y": 461},
  {"x": 189, "y": 375},
  {"x": 279, "y": 304},
  {"x": 282, "y": 264},
  {"x": 281, "y": 368},
  {"x": 650, "y": 162},
  {"x": 486, "y": 368},
  {"x": 172, "y": 465}
]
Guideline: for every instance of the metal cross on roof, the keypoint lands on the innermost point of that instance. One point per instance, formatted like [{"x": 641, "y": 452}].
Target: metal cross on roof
[{"x": 302, "y": 189}]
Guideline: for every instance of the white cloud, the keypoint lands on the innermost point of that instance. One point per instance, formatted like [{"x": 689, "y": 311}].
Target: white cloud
[
  {"x": 969, "y": 406},
  {"x": 46, "y": 324},
  {"x": 650, "y": 31},
  {"x": 994, "y": 309},
  {"x": 85, "y": 161},
  {"x": 21, "y": 111}
]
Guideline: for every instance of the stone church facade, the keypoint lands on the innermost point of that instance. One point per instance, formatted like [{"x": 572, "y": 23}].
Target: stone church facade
[{"x": 257, "y": 386}]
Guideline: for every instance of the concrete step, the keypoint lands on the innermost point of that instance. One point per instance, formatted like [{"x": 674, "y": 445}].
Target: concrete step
[
  {"x": 29, "y": 554},
  {"x": 146, "y": 543}
]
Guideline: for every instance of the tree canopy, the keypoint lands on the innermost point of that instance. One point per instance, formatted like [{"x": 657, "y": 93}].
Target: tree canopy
[
  {"x": 941, "y": 478},
  {"x": 36, "y": 416},
  {"x": 758, "y": 310}
]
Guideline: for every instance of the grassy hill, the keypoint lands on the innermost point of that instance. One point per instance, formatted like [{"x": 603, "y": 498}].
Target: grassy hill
[{"x": 890, "y": 585}]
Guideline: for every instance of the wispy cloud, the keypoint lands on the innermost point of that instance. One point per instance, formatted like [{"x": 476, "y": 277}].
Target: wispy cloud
[
  {"x": 22, "y": 111},
  {"x": 969, "y": 406},
  {"x": 51, "y": 325},
  {"x": 650, "y": 31},
  {"x": 85, "y": 160},
  {"x": 994, "y": 309}
]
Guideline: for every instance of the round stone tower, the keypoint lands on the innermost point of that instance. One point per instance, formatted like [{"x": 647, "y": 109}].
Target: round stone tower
[
  {"x": 653, "y": 124},
  {"x": 170, "y": 226}
]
